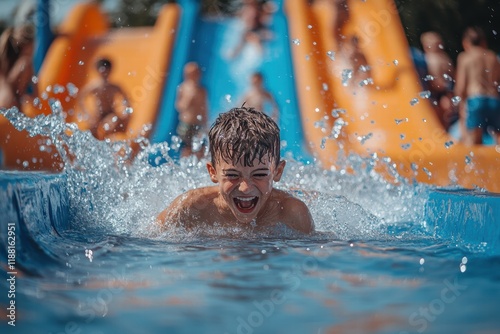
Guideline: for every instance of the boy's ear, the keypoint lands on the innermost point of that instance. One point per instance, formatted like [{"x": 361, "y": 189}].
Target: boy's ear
[
  {"x": 212, "y": 172},
  {"x": 279, "y": 171}
]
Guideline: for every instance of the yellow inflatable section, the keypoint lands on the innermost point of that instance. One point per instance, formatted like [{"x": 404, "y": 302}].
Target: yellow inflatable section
[
  {"x": 388, "y": 118},
  {"x": 140, "y": 58}
]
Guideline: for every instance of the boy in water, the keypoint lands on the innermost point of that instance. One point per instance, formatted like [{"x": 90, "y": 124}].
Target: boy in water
[
  {"x": 257, "y": 96},
  {"x": 107, "y": 119},
  {"x": 478, "y": 79},
  {"x": 245, "y": 161},
  {"x": 191, "y": 104}
]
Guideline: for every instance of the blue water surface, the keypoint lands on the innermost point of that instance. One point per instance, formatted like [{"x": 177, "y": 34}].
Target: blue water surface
[{"x": 74, "y": 276}]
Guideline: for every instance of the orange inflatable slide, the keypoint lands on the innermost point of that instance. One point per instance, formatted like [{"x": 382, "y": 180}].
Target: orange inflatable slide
[
  {"x": 391, "y": 118},
  {"x": 140, "y": 58}
]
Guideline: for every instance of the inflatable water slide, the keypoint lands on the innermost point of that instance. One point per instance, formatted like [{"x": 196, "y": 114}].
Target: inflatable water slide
[
  {"x": 209, "y": 40},
  {"x": 140, "y": 58},
  {"x": 390, "y": 118},
  {"x": 148, "y": 64}
]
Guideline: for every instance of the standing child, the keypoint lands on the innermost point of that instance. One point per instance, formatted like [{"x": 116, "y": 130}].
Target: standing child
[
  {"x": 441, "y": 68},
  {"x": 191, "y": 104},
  {"x": 107, "y": 118},
  {"x": 478, "y": 79},
  {"x": 16, "y": 66},
  {"x": 257, "y": 96},
  {"x": 245, "y": 161}
]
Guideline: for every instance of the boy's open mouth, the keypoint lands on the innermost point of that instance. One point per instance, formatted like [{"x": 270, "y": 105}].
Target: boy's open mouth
[{"x": 245, "y": 204}]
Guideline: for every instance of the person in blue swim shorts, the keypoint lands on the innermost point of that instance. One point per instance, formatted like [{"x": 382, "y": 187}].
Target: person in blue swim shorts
[{"x": 477, "y": 85}]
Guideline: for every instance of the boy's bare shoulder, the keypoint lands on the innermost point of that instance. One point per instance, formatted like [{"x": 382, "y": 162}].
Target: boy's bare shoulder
[
  {"x": 198, "y": 197},
  {"x": 187, "y": 206},
  {"x": 294, "y": 212}
]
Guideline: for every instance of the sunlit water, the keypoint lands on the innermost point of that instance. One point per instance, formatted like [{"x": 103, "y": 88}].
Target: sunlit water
[{"x": 371, "y": 267}]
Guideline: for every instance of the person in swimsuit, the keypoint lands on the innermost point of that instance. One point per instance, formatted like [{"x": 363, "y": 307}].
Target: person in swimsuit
[
  {"x": 16, "y": 66},
  {"x": 442, "y": 70},
  {"x": 477, "y": 82},
  {"x": 254, "y": 15},
  {"x": 106, "y": 118},
  {"x": 245, "y": 162},
  {"x": 257, "y": 96},
  {"x": 192, "y": 107}
]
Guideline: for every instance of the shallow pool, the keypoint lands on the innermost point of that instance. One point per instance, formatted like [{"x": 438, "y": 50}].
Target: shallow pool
[{"x": 87, "y": 260}]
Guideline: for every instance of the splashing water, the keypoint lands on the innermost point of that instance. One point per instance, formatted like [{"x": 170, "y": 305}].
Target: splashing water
[
  {"x": 346, "y": 76},
  {"x": 110, "y": 191}
]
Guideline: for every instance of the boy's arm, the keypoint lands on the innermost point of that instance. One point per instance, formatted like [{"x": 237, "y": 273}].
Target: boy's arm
[
  {"x": 297, "y": 216},
  {"x": 460, "y": 81}
]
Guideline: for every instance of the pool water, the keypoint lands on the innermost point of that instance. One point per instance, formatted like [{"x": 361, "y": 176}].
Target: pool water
[
  {"x": 403, "y": 281},
  {"x": 90, "y": 259}
]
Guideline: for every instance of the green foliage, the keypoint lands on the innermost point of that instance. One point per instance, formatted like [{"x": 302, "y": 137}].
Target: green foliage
[{"x": 134, "y": 13}]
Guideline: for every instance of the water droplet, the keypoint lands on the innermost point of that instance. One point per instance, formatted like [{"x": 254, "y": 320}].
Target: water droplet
[
  {"x": 366, "y": 82},
  {"x": 399, "y": 121},
  {"x": 456, "y": 100},
  {"x": 447, "y": 77},
  {"x": 337, "y": 127},
  {"x": 320, "y": 124},
  {"x": 494, "y": 32},
  {"x": 464, "y": 260},
  {"x": 325, "y": 86},
  {"x": 468, "y": 160},
  {"x": 395, "y": 62},
  {"x": 72, "y": 89},
  {"x": 463, "y": 267},
  {"x": 309, "y": 26},
  {"x": 346, "y": 75},
  {"x": 331, "y": 54},
  {"x": 428, "y": 172},
  {"x": 337, "y": 111},
  {"x": 364, "y": 68},
  {"x": 25, "y": 163},
  {"x": 402, "y": 136},
  {"x": 422, "y": 261},
  {"x": 228, "y": 98},
  {"x": 34, "y": 79},
  {"x": 323, "y": 143},
  {"x": 425, "y": 94},
  {"x": 363, "y": 139},
  {"x": 58, "y": 89},
  {"x": 428, "y": 77},
  {"x": 405, "y": 146},
  {"x": 296, "y": 41},
  {"x": 448, "y": 144},
  {"x": 81, "y": 63},
  {"x": 413, "y": 101}
]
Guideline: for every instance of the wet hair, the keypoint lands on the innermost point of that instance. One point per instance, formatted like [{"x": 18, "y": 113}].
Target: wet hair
[
  {"x": 475, "y": 35},
  {"x": 103, "y": 62},
  {"x": 243, "y": 134}
]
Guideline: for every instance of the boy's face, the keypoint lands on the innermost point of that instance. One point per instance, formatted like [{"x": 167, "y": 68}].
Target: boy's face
[{"x": 246, "y": 189}]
